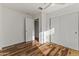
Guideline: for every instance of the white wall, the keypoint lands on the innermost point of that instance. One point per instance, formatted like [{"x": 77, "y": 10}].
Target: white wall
[
  {"x": 11, "y": 27},
  {"x": 0, "y": 27},
  {"x": 42, "y": 28},
  {"x": 66, "y": 23}
]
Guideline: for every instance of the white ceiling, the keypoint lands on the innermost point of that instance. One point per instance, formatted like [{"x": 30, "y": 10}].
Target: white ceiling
[
  {"x": 57, "y": 6},
  {"x": 32, "y": 8}
]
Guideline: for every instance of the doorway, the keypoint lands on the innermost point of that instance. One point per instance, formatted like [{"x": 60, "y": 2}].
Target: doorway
[{"x": 36, "y": 27}]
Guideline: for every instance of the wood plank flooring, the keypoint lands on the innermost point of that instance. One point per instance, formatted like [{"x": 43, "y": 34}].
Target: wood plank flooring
[{"x": 46, "y": 49}]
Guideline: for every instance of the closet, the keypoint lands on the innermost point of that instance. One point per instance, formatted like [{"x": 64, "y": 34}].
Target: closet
[{"x": 64, "y": 30}]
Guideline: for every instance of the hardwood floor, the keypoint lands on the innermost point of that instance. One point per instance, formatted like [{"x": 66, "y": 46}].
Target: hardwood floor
[{"x": 46, "y": 49}]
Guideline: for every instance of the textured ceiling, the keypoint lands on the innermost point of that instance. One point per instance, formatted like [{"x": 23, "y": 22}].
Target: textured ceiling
[{"x": 32, "y": 8}]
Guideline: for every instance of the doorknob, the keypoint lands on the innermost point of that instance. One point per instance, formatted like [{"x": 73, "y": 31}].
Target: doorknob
[{"x": 75, "y": 32}]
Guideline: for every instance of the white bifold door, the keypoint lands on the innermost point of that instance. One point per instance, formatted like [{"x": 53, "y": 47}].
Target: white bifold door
[{"x": 64, "y": 30}]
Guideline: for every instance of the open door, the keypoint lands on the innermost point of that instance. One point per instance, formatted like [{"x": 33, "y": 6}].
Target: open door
[{"x": 36, "y": 26}]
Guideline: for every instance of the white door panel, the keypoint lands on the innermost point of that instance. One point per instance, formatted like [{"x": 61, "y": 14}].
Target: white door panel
[
  {"x": 29, "y": 29},
  {"x": 65, "y": 30}
]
